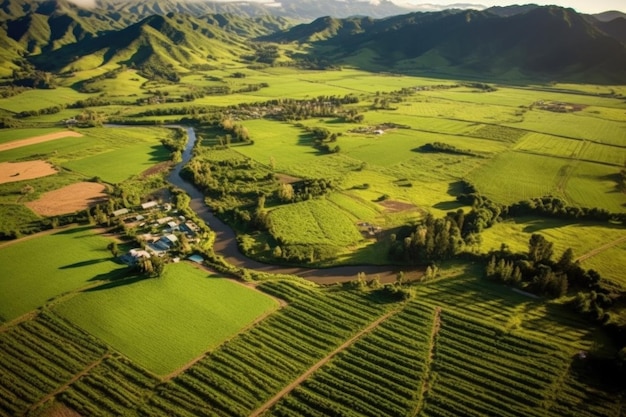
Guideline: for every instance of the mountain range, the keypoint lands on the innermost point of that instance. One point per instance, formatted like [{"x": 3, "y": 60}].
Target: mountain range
[{"x": 529, "y": 41}]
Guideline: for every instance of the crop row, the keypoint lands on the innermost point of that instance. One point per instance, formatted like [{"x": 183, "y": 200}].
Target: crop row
[
  {"x": 509, "y": 345},
  {"x": 453, "y": 351},
  {"x": 113, "y": 387},
  {"x": 481, "y": 371},
  {"x": 490, "y": 352},
  {"x": 241, "y": 375},
  {"x": 380, "y": 374},
  {"x": 38, "y": 356},
  {"x": 590, "y": 402}
]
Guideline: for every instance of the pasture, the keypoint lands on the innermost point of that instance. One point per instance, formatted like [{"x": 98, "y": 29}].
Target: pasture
[
  {"x": 38, "y": 269},
  {"x": 583, "y": 238},
  {"x": 314, "y": 222},
  {"x": 118, "y": 165},
  {"x": 165, "y": 322},
  {"x": 41, "y": 99}
]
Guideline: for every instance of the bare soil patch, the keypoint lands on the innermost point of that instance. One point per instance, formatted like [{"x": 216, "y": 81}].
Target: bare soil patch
[
  {"x": 20, "y": 171},
  {"x": 397, "y": 206},
  {"x": 69, "y": 199},
  {"x": 287, "y": 179},
  {"x": 156, "y": 169},
  {"x": 39, "y": 139}
]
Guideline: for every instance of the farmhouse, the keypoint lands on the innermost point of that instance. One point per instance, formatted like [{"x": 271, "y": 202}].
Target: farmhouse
[
  {"x": 120, "y": 212},
  {"x": 149, "y": 205},
  {"x": 134, "y": 255},
  {"x": 164, "y": 220}
]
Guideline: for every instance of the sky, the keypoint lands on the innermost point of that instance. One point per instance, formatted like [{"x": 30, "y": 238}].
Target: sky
[{"x": 583, "y": 6}]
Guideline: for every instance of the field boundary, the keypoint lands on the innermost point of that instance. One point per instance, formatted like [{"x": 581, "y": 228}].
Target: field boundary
[
  {"x": 428, "y": 363},
  {"x": 321, "y": 363},
  {"x": 252, "y": 286},
  {"x": 39, "y": 139},
  {"x": 70, "y": 382},
  {"x": 600, "y": 249}
]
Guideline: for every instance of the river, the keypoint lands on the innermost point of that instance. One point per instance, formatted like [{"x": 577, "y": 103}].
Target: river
[{"x": 226, "y": 241}]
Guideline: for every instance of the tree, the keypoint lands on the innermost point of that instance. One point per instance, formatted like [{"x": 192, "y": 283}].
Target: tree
[
  {"x": 278, "y": 252},
  {"x": 539, "y": 249},
  {"x": 400, "y": 278},
  {"x": 286, "y": 193},
  {"x": 566, "y": 260},
  {"x": 27, "y": 189},
  {"x": 114, "y": 249}
]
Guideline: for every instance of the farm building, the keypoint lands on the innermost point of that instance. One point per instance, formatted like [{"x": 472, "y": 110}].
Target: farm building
[
  {"x": 134, "y": 255},
  {"x": 120, "y": 212},
  {"x": 149, "y": 205}
]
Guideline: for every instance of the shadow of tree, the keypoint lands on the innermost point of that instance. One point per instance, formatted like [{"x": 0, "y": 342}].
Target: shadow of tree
[{"x": 84, "y": 263}]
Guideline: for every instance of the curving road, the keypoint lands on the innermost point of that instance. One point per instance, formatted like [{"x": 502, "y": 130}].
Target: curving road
[{"x": 226, "y": 242}]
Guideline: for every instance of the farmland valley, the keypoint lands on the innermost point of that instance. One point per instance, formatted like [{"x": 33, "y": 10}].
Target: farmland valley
[{"x": 311, "y": 208}]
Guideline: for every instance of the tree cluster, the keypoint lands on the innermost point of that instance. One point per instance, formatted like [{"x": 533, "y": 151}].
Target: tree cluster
[
  {"x": 31, "y": 78},
  {"x": 536, "y": 272},
  {"x": 47, "y": 110},
  {"x": 548, "y": 206},
  {"x": 445, "y": 148},
  {"x": 433, "y": 240}
]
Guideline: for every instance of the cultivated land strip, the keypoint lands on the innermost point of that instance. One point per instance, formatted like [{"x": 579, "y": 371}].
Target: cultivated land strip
[
  {"x": 282, "y": 303},
  {"x": 600, "y": 249},
  {"x": 70, "y": 382},
  {"x": 321, "y": 363},
  {"x": 429, "y": 361},
  {"x": 39, "y": 139}
]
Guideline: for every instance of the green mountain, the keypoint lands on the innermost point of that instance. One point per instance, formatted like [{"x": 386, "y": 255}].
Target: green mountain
[
  {"x": 544, "y": 43},
  {"x": 615, "y": 28},
  {"x": 48, "y": 25},
  {"x": 158, "y": 45}
]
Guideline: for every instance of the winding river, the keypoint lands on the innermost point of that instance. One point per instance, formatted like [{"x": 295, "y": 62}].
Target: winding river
[{"x": 226, "y": 242}]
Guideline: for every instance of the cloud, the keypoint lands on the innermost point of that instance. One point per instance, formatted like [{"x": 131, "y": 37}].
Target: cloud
[{"x": 87, "y": 4}]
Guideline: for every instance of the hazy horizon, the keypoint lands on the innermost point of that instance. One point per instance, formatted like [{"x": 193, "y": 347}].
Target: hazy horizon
[{"x": 583, "y": 6}]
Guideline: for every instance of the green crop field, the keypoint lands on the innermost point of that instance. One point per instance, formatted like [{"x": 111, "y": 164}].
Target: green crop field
[
  {"x": 564, "y": 234},
  {"x": 80, "y": 333},
  {"x": 116, "y": 166},
  {"x": 35, "y": 270},
  {"x": 40, "y": 99},
  {"x": 165, "y": 322},
  {"x": 17, "y": 134},
  {"x": 515, "y": 176},
  {"x": 316, "y": 221}
]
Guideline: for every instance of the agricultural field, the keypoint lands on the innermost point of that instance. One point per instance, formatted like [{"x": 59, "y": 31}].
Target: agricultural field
[
  {"x": 565, "y": 234},
  {"x": 60, "y": 261},
  {"x": 38, "y": 357},
  {"x": 312, "y": 222},
  {"x": 164, "y": 323},
  {"x": 80, "y": 334},
  {"x": 331, "y": 348}
]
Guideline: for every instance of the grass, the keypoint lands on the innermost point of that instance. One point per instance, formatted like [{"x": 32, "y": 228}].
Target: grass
[
  {"x": 17, "y": 134},
  {"x": 38, "y": 269},
  {"x": 40, "y": 99},
  {"x": 574, "y": 125},
  {"x": 118, "y": 165},
  {"x": 314, "y": 222},
  {"x": 515, "y": 176},
  {"x": 564, "y": 234},
  {"x": 12, "y": 216},
  {"x": 166, "y": 322},
  {"x": 113, "y": 154}
]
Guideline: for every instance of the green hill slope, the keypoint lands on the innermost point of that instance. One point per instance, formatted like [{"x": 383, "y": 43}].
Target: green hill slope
[{"x": 545, "y": 42}]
